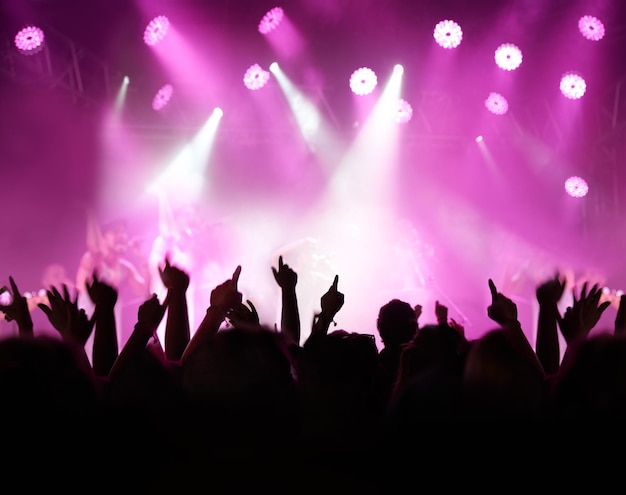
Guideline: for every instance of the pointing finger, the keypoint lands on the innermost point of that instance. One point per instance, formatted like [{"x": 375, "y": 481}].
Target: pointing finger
[{"x": 236, "y": 274}]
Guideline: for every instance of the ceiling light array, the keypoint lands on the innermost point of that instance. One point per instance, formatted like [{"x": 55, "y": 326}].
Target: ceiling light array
[{"x": 447, "y": 33}]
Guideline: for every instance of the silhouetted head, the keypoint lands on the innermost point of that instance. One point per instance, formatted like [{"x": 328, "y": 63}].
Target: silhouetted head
[
  {"x": 500, "y": 381},
  {"x": 45, "y": 375},
  {"x": 591, "y": 383},
  {"x": 396, "y": 323}
]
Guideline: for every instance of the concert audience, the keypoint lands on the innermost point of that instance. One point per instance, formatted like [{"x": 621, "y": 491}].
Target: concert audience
[{"x": 240, "y": 404}]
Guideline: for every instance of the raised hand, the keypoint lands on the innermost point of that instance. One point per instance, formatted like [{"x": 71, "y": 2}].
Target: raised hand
[
  {"x": 243, "y": 315},
  {"x": 456, "y": 326},
  {"x": 173, "y": 277},
  {"x": 150, "y": 313},
  {"x": 501, "y": 310},
  {"x": 585, "y": 312},
  {"x": 332, "y": 301},
  {"x": 66, "y": 317},
  {"x": 417, "y": 309},
  {"x": 101, "y": 293},
  {"x": 285, "y": 276},
  {"x": 441, "y": 313},
  {"x": 551, "y": 291},
  {"x": 18, "y": 310},
  {"x": 226, "y": 296}
]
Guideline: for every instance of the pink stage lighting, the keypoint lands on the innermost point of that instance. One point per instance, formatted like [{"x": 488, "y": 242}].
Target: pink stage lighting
[
  {"x": 591, "y": 27},
  {"x": 448, "y": 34},
  {"x": 576, "y": 187},
  {"x": 29, "y": 40},
  {"x": 496, "y": 103},
  {"x": 363, "y": 81},
  {"x": 255, "y": 77},
  {"x": 573, "y": 86},
  {"x": 508, "y": 56},
  {"x": 163, "y": 97},
  {"x": 404, "y": 111},
  {"x": 271, "y": 20},
  {"x": 156, "y": 30}
]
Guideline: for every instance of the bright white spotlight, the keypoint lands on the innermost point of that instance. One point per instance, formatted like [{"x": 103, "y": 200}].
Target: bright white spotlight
[
  {"x": 576, "y": 187},
  {"x": 29, "y": 40},
  {"x": 363, "y": 81},
  {"x": 156, "y": 30},
  {"x": 591, "y": 27},
  {"x": 573, "y": 86},
  {"x": 255, "y": 77},
  {"x": 398, "y": 69},
  {"x": 126, "y": 80},
  {"x": 479, "y": 139},
  {"x": 508, "y": 56},
  {"x": 271, "y": 20},
  {"x": 448, "y": 34},
  {"x": 218, "y": 112},
  {"x": 273, "y": 67},
  {"x": 496, "y": 103}
]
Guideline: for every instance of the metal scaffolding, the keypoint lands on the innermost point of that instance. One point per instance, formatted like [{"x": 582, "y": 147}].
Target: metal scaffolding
[{"x": 61, "y": 65}]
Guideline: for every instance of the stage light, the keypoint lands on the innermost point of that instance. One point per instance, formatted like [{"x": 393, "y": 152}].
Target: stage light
[
  {"x": 218, "y": 112},
  {"x": 576, "y": 187},
  {"x": 479, "y": 139},
  {"x": 273, "y": 67},
  {"x": 508, "y": 56},
  {"x": 398, "y": 69},
  {"x": 496, "y": 104},
  {"x": 591, "y": 27},
  {"x": 448, "y": 34},
  {"x": 162, "y": 97},
  {"x": 256, "y": 77},
  {"x": 572, "y": 85},
  {"x": 126, "y": 80},
  {"x": 29, "y": 40},
  {"x": 363, "y": 81},
  {"x": 404, "y": 111},
  {"x": 271, "y": 20},
  {"x": 156, "y": 30}
]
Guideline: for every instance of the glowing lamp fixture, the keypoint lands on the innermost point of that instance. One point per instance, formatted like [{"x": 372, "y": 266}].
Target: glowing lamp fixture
[
  {"x": 255, "y": 77},
  {"x": 496, "y": 104},
  {"x": 576, "y": 187},
  {"x": 404, "y": 111},
  {"x": 508, "y": 56},
  {"x": 572, "y": 85},
  {"x": 156, "y": 30},
  {"x": 591, "y": 27},
  {"x": 448, "y": 34},
  {"x": 271, "y": 20},
  {"x": 162, "y": 97},
  {"x": 29, "y": 40},
  {"x": 363, "y": 81}
]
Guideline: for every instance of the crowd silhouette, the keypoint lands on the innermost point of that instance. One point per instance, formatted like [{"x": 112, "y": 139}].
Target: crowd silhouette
[{"x": 239, "y": 404}]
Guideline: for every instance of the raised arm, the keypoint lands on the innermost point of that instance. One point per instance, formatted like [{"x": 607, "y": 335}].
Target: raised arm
[
  {"x": 548, "y": 295},
  {"x": 287, "y": 279},
  {"x": 18, "y": 310},
  {"x": 331, "y": 302},
  {"x": 503, "y": 311},
  {"x": 105, "y": 345},
  {"x": 580, "y": 318},
  {"x": 224, "y": 298},
  {"x": 177, "y": 330},
  {"x": 149, "y": 316}
]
